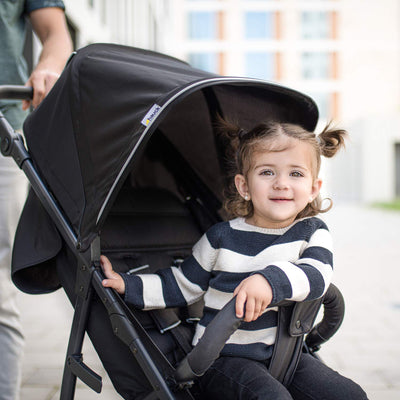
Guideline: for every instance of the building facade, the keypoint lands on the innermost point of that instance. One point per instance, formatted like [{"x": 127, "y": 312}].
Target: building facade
[
  {"x": 129, "y": 22},
  {"x": 343, "y": 53},
  {"x": 290, "y": 41}
]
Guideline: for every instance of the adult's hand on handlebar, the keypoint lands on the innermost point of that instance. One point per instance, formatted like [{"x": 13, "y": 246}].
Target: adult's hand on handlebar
[{"x": 41, "y": 80}]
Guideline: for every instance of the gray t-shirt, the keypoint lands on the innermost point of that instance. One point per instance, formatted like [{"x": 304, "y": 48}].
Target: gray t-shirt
[{"x": 13, "y": 68}]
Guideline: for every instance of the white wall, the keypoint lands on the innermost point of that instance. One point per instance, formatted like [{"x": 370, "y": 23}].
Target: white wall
[
  {"x": 370, "y": 58},
  {"x": 136, "y": 23},
  {"x": 370, "y": 99}
]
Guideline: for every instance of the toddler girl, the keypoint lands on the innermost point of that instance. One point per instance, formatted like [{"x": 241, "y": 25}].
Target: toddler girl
[{"x": 274, "y": 249}]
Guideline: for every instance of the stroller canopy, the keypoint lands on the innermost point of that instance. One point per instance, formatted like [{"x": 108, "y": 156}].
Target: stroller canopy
[{"x": 95, "y": 123}]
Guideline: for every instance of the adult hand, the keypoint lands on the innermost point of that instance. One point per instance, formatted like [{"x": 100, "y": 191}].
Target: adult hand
[
  {"x": 50, "y": 25},
  {"x": 41, "y": 81}
]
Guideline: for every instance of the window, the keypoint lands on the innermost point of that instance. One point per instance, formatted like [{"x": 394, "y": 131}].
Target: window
[
  {"x": 259, "y": 65},
  {"x": 205, "y": 61},
  {"x": 315, "y": 25},
  {"x": 315, "y": 65},
  {"x": 202, "y": 25},
  {"x": 258, "y": 25}
]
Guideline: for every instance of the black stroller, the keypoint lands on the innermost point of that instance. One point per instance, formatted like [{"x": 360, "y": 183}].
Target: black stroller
[{"x": 123, "y": 161}]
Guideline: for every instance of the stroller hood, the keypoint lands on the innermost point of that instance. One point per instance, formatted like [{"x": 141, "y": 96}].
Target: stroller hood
[{"x": 88, "y": 132}]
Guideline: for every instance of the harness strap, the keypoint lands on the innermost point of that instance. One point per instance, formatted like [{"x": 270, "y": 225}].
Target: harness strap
[{"x": 168, "y": 321}]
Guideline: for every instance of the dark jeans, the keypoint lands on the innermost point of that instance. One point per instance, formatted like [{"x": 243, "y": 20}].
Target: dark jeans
[{"x": 244, "y": 379}]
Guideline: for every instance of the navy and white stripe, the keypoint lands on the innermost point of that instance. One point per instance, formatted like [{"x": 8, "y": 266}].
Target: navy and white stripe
[{"x": 296, "y": 261}]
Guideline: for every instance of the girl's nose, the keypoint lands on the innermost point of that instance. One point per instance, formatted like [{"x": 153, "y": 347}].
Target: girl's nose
[{"x": 280, "y": 183}]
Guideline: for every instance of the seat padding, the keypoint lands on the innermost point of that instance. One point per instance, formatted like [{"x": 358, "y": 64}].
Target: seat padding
[{"x": 148, "y": 226}]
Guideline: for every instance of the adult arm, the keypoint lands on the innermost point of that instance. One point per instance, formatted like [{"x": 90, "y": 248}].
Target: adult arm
[{"x": 50, "y": 26}]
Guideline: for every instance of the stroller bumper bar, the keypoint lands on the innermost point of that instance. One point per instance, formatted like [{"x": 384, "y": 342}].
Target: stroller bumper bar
[
  {"x": 210, "y": 344},
  {"x": 225, "y": 323}
]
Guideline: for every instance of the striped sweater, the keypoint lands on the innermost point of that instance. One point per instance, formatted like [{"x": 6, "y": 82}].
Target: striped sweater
[{"x": 296, "y": 261}]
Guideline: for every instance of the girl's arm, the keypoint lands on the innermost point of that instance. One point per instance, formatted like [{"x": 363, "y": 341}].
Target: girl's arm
[
  {"x": 309, "y": 277},
  {"x": 169, "y": 287}
]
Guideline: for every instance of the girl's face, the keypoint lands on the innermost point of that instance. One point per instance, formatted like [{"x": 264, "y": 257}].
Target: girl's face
[{"x": 280, "y": 184}]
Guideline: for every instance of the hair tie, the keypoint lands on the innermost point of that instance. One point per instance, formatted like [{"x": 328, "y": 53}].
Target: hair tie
[
  {"x": 242, "y": 133},
  {"x": 319, "y": 141}
]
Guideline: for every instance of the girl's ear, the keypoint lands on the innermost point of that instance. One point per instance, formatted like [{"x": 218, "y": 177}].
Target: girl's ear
[
  {"x": 315, "y": 189},
  {"x": 241, "y": 186}
]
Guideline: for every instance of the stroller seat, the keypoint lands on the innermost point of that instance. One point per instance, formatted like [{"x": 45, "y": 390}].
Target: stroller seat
[
  {"x": 147, "y": 223},
  {"x": 146, "y": 230}
]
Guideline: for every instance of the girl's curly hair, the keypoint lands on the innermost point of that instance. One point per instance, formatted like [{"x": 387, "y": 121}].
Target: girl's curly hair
[{"x": 262, "y": 137}]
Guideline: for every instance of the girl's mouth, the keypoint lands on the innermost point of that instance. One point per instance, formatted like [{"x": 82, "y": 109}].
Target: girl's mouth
[{"x": 280, "y": 199}]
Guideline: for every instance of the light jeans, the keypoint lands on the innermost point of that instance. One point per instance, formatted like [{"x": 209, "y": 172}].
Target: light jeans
[{"x": 13, "y": 190}]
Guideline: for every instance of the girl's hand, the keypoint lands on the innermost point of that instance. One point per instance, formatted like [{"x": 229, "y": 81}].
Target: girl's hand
[
  {"x": 254, "y": 291},
  {"x": 114, "y": 279}
]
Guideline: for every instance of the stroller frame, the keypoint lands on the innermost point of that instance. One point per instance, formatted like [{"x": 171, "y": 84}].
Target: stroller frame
[
  {"x": 89, "y": 276},
  {"x": 166, "y": 381}
]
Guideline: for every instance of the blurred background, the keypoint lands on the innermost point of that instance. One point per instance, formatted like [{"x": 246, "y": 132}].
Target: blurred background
[{"x": 346, "y": 55}]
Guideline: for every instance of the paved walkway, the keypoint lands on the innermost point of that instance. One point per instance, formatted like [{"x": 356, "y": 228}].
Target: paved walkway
[{"x": 366, "y": 348}]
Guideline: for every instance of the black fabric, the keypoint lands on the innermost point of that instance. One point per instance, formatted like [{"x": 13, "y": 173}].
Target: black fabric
[{"x": 37, "y": 243}]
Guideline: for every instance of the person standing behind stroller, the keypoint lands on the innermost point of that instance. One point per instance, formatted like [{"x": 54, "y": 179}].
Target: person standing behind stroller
[
  {"x": 48, "y": 21},
  {"x": 274, "y": 249}
]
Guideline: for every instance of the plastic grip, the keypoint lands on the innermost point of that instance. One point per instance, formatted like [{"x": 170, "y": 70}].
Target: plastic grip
[
  {"x": 334, "y": 307},
  {"x": 208, "y": 348},
  {"x": 16, "y": 92}
]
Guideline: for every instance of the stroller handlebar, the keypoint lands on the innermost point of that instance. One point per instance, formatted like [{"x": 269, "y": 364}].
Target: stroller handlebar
[
  {"x": 225, "y": 323},
  {"x": 16, "y": 92}
]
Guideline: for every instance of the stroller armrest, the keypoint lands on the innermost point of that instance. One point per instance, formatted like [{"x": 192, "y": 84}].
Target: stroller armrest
[
  {"x": 333, "y": 303},
  {"x": 210, "y": 344}
]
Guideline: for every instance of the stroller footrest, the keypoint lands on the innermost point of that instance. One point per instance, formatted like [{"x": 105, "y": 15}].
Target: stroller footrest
[{"x": 84, "y": 373}]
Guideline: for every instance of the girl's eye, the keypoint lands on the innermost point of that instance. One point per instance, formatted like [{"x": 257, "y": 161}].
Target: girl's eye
[
  {"x": 296, "y": 174},
  {"x": 267, "y": 172}
]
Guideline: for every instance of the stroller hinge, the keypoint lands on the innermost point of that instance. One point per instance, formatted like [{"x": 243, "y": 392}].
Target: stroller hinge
[
  {"x": 95, "y": 252},
  {"x": 84, "y": 373},
  {"x": 84, "y": 272},
  {"x": 83, "y": 280},
  {"x": 12, "y": 143}
]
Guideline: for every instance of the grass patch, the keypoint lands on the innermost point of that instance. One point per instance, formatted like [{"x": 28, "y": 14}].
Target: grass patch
[{"x": 391, "y": 205}]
